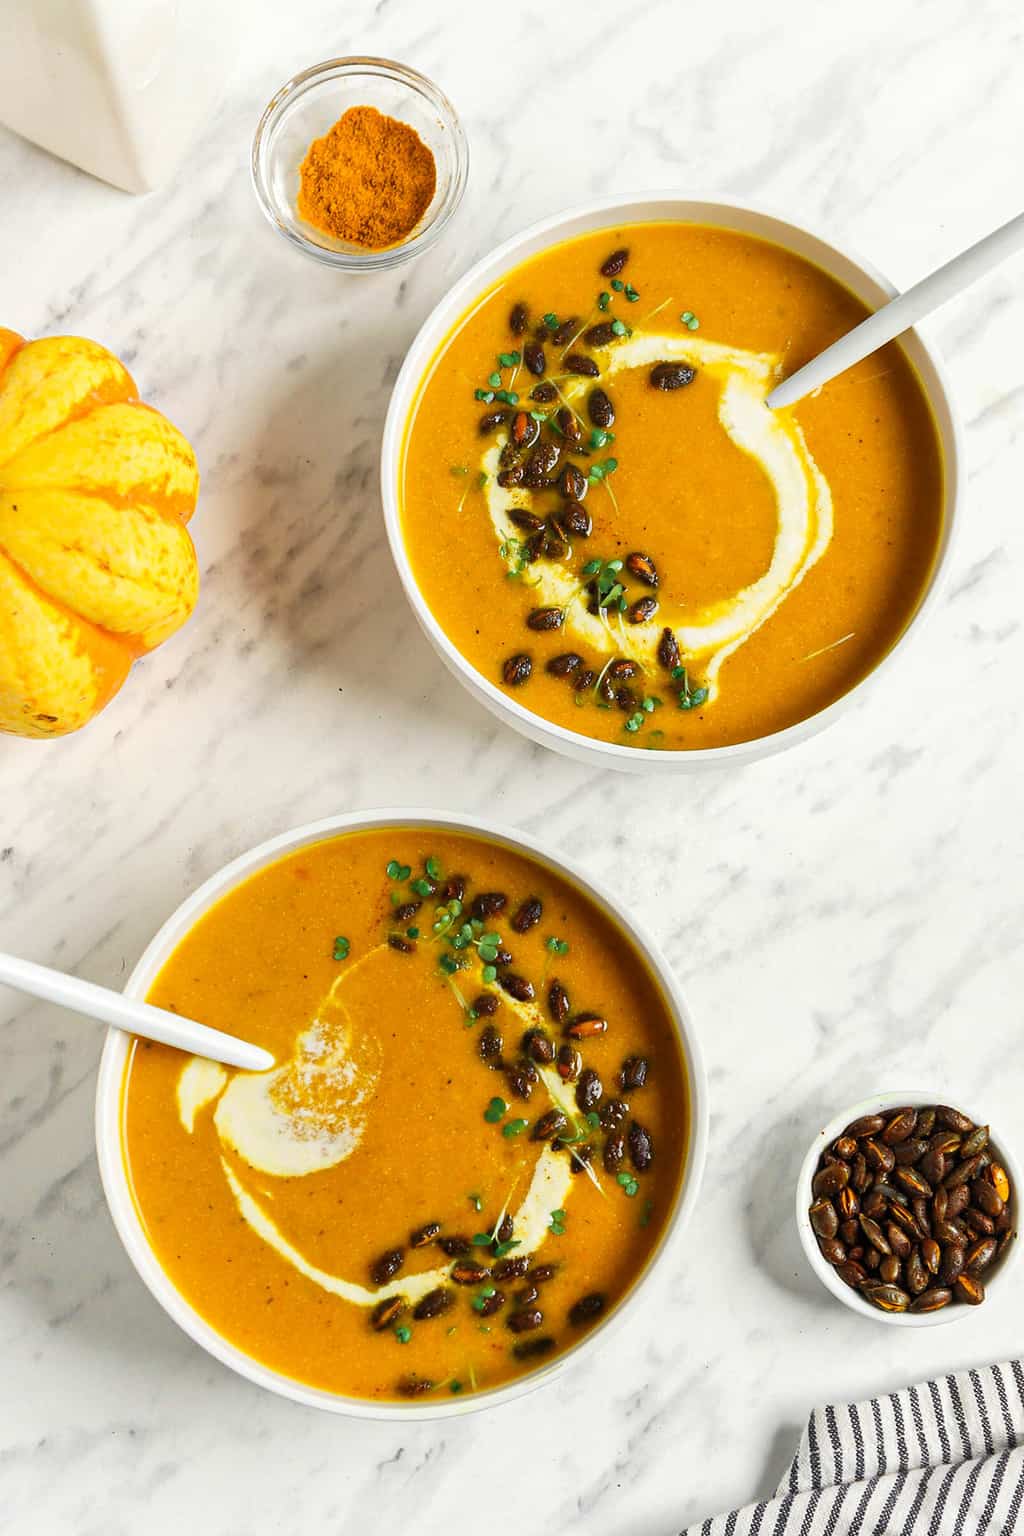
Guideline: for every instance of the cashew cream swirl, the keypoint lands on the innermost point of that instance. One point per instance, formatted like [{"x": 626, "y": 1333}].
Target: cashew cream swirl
[{"x": 710, "y": 635}]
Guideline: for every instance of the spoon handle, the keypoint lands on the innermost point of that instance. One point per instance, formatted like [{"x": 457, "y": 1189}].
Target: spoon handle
[
  {"x": 126, "y": 1013},
  {"x": 902, "y": 312}
]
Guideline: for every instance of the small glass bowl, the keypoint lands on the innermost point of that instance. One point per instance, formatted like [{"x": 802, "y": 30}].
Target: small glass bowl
[{"x": 308, "y": 105}]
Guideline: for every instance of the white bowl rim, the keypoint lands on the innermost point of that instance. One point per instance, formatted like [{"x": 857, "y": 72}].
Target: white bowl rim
[
  {"x": 117, "y": 1044},
  {"x": 870, "y": 1104},
  {"x": 480, "y": 276}
]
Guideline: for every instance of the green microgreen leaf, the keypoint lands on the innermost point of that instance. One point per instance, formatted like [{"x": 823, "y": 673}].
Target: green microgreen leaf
[
  {"x": 422, "y": 887},
  {"x": 412, "y": 933},
  {"x": 448, "y": 965},
  {"x": 393, "y": 870},
  {"x": 618, "y": 284},
  {"x": 556, "y": 946},
  {"x": 486, "y": 395},
  {"x": 689, "y": 319},
  {"x": 551, "y": 321},
  {"x": 403, "y": 1334},
  {"x": 557, "y": 1223},
  {"x": 489, "y": 973},
  {"x": 455, "y": 1386},
  {"x": 593, "y": 1119},
  {"x": 494, "y": 380},
  {"x": 620, "y": 328},
  {"x": 341, "y": 947},
  {"x": 600, "y": 438},
  {"x": 500, "y": 1249},
  {"x": 591, "y": 568},
  {"x": 475, "y": 1201},
  {"x": 433, "y": 867},
  {"x": 493, "y": 1113},
  {"x": 481, "y": 480},
  {"x": 646, "y": 1213},
  {"x": 629, "y": 1184},
  {"x": 597, "y": 473},
  {"x": 509, "y": 359},
  {"x": 482, "y": 1239},
  {"x": 604, "y": 298},
  {"x": 481, "y": 1297},
  {"x": 635, "y": 721},
  {"x": 514, "y": 1127},
  {"x": 631, "y": 293},
  {"x": 540, "y": 416},
  {"x": 689, "y": 697}
]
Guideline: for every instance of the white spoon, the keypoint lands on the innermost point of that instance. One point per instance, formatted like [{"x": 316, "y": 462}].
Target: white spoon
[
  {"x": 902, "y": 312},
  {"x": 138, "y": 1018}
]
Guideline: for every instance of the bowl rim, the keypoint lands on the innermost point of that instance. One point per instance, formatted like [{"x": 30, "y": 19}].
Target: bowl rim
[
  {"x": 867, "y": 1105},
  {"x": 117, "y": 1044},
  {"x": 355, "y": 260},
  {"x": 873, "y": 288}
]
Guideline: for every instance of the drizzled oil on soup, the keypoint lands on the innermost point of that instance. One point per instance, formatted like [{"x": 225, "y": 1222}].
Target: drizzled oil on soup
[
  {"x": 611, "y": 526},
  {"x": 470, "y": 1144}
]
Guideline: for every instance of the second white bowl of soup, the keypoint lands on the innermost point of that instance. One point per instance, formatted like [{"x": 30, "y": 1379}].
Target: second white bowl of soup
[
  {"x": 486, "y": 1120},
  {"x": 609, "y": 538}
]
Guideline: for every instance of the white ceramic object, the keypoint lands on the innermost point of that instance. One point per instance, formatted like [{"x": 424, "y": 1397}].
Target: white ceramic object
[
  {"x": 608, "y": 213},
  {"x": 109, "y": 1007},
  {"x": 939, "y": 287},
  {"x": 119, "y": 89},
  {"x": 118, "y": 1045},
  {"x": 995, "y": 1279}
]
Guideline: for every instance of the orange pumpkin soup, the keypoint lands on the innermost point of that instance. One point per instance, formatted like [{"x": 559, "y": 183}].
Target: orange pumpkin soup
[
  {"x": 471, "y": 1141},
  {"x": 611, "y": 526}
]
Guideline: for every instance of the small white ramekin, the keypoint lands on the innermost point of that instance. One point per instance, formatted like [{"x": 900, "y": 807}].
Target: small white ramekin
[
  {"x": 879, "y": 1103},
  {"x": 610, "y": 212},
  {"x": 115, "y": 1055}
]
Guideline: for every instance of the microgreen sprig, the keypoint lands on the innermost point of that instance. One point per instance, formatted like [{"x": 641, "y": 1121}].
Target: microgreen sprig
[
  {"x": 493, "y": 1113},
  {"x": 607, "y": 588},
  {"x": 341, "y": 947},
  {"x": 639, "y": 719},
  {"x": 601, "y": 469},
  {"x": 689, "y": 697}
]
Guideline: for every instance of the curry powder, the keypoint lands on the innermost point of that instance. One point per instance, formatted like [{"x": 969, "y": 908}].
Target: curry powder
[{"x": 369, "y": 180}]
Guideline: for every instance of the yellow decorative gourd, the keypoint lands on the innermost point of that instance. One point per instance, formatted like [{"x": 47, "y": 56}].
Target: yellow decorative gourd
[{"x": 96, "y": 564}]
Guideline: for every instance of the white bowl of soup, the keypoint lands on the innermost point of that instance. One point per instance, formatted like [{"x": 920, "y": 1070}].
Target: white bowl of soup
[
  {"x": 486, "y": 1121},
  {"x": 604, "y": 532}
]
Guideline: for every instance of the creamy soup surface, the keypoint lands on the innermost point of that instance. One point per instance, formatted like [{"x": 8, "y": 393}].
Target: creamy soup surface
[
  {"x": 611, "y": 526},
  {"x": 472, "y": 1138}
]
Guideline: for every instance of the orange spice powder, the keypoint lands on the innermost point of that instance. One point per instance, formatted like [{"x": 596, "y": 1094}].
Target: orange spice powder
[{"x": 369, "y": 180}]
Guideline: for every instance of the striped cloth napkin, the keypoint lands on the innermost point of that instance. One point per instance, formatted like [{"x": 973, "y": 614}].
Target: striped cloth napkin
[{"x": 938, "y": 1459}]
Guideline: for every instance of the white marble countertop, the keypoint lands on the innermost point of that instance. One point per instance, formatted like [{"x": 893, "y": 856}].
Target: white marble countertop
[{"x": 844, "y": 918}]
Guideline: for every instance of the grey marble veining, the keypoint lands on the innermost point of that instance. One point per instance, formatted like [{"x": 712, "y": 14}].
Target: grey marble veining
[{"x": 844, "y": 917}]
